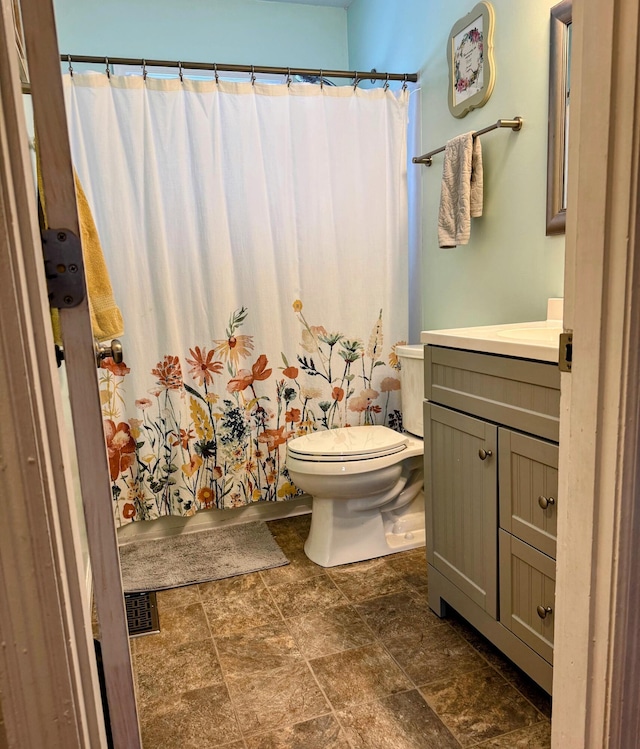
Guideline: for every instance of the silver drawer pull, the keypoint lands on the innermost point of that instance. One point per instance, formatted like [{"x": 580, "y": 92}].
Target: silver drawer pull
[
  {"x": 484, "y": 454},
  {"x": 543, "y": 611},
  {"x": 544, "y": 502}
]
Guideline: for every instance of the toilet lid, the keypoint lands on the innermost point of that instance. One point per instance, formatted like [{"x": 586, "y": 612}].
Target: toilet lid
[{"x": 347, "y": 443}]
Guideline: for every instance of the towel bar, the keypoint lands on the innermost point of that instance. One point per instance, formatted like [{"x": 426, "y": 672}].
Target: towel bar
[{"x": 515, "y": 124}]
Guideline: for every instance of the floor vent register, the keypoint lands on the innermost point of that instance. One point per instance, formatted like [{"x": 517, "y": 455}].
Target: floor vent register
[{"x": 142, "y": 613}]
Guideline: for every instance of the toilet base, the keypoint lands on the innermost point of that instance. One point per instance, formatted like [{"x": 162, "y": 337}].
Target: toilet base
[{"x": 339, "y": 535}]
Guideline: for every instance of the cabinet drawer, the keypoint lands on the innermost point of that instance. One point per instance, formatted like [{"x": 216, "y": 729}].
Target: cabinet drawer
[
  {"x": 527, "y": 582},
  {"x": 518, "y": 393},
  {"x": 528, "y": 470}
]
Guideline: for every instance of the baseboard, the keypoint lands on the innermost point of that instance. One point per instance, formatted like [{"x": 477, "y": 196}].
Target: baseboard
[{"x": 175, "y": 525}]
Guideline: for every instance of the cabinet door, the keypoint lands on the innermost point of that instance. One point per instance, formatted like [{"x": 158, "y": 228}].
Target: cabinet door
[
  {"x": 461, "y": 502},
  {"x": 527, "y": 594},
  {"x": 529, "y": 489}
]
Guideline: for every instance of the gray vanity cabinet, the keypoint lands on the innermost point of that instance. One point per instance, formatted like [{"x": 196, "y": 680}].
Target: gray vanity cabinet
[
  {"x": 462, "y": 518},
  {"x": 529, "y": 489},
  {"x": 527, "y": 593},
  {"x": 491, "y": 484},
  {"x": 528, "y": 484}
]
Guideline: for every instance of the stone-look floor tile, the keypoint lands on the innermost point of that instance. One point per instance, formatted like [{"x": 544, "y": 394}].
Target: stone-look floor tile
[
  {"x": 286, "y": 535},
  {"x": 284, "y": 524},
  {"x": 169, "y": 599},
  {"x": 488, "y": 651},
  {"x": 540, "y": 699},
  {"x": 202, "y": 719},
  {"x": 479, "y": 706},
  {"x": 177, "y": 626},
  {"x": 506, "y": 668},
  {"x": 421, "y": 593},
  {"x": 398, "y": 614},
  {"x": 270, "y": 700},
  {"x": 359, "y": 675},
  {"x": 260, "y": 649},
  {"x": 370, "y": 579},
  {"x": 402, "y": 721},
  {"x": 302, "y": 524},
  {"x": 300, "y": 567},
  {"x": 318, "y": 733},
  {"x": 329, "y": 631},
  {"x": 411, "y": 566},
  {"x": 176, "y": 669},
  {"x": 535, "y": 737},
  {"x": 238, "y": 604},
  {"x": 222, "y": 591},
  {"x": 295, "y": 599},
  {"x": 434, "y": 654}
]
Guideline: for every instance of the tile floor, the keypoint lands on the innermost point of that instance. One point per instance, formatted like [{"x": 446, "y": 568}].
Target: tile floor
[{"x": 300, "y": 657}]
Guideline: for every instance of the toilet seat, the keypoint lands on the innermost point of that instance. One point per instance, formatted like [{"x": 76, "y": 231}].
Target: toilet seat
[{"x": 347, "y": 444}]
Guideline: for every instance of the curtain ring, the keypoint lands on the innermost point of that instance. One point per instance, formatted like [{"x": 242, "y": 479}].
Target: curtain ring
[
  {"x": 321, "y": 80},
  {"x": 144, "y": 70},
  {"x": 356, "y": 80},
  {"x": 106, "y": 62},
  {"x": 70, "y": 65},
  {"x": 386, "y": 84},
  {"x": 180, "y": 72},
  {"x": 215, "y": 72},
  {"x": 404, "y": 85},
  {"x": 288, "y": 77},
  {"x": 253, "y": 76}
]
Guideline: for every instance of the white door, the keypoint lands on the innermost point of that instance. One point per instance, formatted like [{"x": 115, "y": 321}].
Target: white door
[{"x": 596, "y": 685}]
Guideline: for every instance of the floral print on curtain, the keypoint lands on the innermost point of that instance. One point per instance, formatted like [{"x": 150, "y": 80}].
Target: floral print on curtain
[{"x": 211, "y": 431}]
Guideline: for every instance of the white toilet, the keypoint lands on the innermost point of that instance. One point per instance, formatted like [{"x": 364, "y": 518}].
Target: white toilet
[{"x": 366, "y": 481}]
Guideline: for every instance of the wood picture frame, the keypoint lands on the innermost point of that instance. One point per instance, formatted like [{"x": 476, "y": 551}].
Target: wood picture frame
[
  {"x": 559, "y": 95},
  {"x": 470, "y": 58}
]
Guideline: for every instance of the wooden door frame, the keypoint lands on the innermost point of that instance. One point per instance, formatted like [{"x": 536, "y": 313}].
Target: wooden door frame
[
  {"x": 596, "y": 679},
  {"x": 48, "y": 676},
  {"x": 596, "y": 675},
  {"x": 59, "y": 193}
]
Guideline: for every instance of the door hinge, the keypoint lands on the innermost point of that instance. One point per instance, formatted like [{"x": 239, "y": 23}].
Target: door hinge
[
  {"x": 566, "y": 351},
  {"x": 63, "y": 267}
]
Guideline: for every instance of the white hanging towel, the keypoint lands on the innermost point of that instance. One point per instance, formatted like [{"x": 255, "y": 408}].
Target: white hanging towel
[{"x": 461, "y": 197}]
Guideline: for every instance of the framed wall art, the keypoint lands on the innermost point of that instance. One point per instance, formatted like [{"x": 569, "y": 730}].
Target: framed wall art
[
  {"x": 470, "y": 57},
  {"x": 559, "y": 97}
]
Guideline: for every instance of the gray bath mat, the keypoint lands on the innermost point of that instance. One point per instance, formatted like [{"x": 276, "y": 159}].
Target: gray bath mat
[{"x": 199, "y": 557}]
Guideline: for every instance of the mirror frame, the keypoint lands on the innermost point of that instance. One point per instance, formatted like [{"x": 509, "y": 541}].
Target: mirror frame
[{"x": 558, "y": 73}]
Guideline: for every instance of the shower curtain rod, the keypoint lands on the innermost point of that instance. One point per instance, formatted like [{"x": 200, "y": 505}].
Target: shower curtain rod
[{"x": 356, "y": 75}]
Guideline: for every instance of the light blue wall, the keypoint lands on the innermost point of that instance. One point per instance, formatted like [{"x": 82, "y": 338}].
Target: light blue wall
[
  {"x": 509, "y": 267},
  {"x": 249, "y": 32}
]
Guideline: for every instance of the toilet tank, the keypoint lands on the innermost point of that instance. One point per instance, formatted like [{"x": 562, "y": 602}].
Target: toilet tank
[{"x": 411, "y": 359}]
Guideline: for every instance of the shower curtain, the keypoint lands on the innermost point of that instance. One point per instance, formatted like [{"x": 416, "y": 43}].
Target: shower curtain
[{"x": 256, "y": 236}]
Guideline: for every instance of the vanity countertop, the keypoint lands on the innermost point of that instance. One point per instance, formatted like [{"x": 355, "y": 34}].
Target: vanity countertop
[{"x": 526, "y": 340}]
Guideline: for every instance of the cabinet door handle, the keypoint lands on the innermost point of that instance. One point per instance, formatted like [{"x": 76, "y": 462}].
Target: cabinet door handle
[
  {"x": 543, "y": 611},
  {"x": 544, "y": 502},
  {"x": 484, "y": 454}
]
